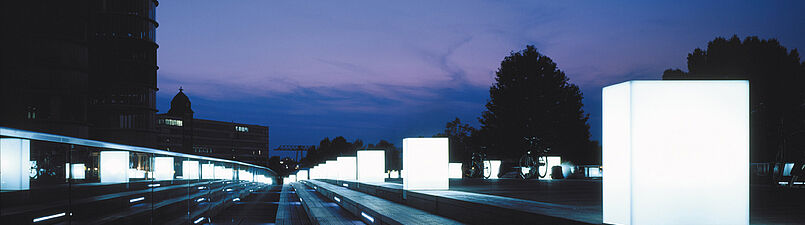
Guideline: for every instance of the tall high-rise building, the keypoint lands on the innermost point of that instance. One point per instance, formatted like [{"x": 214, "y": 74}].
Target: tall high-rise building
[
  {"x": 44, "y": 66},
  {"x": 122, "y": 71}
]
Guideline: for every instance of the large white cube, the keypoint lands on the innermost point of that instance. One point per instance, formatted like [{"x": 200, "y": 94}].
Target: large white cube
[
  {"x": 302, "y": 175},
  {"x": 425, "y": 163},
  {"x": 494, "y": 166},
  {"x": 190, "y": 170},
  {"x": 454, "y": 170},
  {"x": 372, "y": 166},
  {"x": 114, "y": 166},
  {"x": 659, "y": 139},
  {"x": 163, "y": 168},
  {"x": 15, "y": 164},
  {"x": 347, "y": 168}
]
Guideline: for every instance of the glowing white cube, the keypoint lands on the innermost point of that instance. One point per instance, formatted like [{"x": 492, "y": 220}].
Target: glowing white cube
[
  {"x": 15, "y": 164},
  {"x": 331, "y": 168},
  {"x": 686, "y": 124},
  {"x": 495, "y": 168},
  {"x": 207, "y": 171},
  {"x": 78, "y": 171},
  {"x": 190, "y": 170},
  {"x": 552, "y": 161},
  {"x": 347, "y": 168},
  {"x": 313, "y": 173},
  {"x": 371, "y": 165},
  {"x": 425, "y": 163},
  {"x": 301, "y": 175},
  {"x": 292, "y": 178},
  {"x": 163, "y": 168},
  {"x": 454, "y": 170},
  {"x": 114, "y": 166}
]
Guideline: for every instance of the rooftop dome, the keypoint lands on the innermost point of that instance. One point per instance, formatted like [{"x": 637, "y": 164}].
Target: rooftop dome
[{"x": 180, "y": 105}]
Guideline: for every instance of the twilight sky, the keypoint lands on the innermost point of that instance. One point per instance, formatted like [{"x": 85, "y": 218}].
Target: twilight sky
[{"x": 376, "y": 70}]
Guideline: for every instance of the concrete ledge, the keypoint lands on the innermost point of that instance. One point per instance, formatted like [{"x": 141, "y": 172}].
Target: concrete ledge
[
  {"x": 380, "y": 211},
  {"x": 477, "y": 208},
  {"x": 320, "y": 211}
]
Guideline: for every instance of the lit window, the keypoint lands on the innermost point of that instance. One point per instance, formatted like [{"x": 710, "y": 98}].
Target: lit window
[
  {"x": 241, "y": 129},
  {"x": 172, "y": 122}
]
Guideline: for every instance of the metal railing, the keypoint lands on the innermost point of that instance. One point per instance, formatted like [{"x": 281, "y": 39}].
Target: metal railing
[{"x": 53, "y": 179}]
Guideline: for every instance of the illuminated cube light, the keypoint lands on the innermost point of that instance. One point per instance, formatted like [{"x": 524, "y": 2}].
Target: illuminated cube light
[
  {"x": 163, "y": 168},
  {"x": 207, "y": 171},
  {"x": 495, "y": 168},
  {"x": 15, "y": 164},
  {"x": 552, "y": 161},
  {"x": 426, "y": 164},
  {"x": 371, "y": 165},
  {"x": 454, "y": 170},
  {"x": 302, "y": 175},
  {"x": 347, "y": 168},
  {"x": 114, "y": 166},
  {"x": 245, "y": 175},
  {"x": 647, "y": 124},
  {"x": 292, "y": 178},
  {"x": 78, "y": 171},
  {"x": 331, "y": 169},
  {"x": 190, "y": 170}
]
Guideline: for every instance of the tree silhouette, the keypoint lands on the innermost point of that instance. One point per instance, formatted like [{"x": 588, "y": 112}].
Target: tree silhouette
[
  {"x": 776, "y": 89},
  {"x": 532, "y": 97},
  {"x": 459, "y": 135}
]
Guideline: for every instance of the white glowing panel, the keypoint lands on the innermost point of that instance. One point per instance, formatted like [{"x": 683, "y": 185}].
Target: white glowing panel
[
  {"x": 79, "y": 171},
  {"x": 245, "y": 175},
  {"x": 302, "y": 175},
  {"x": 394, "y": 174},
  {"x": 163, "y": 168},
  {"x": 687, "y": 123},
  {"x": 495, "y": 168},
  {"x": 15, "y": 164},
  {"x": 347, "y": 168},
  {"x": 371, "y": 166},
  {"x": 331, "y": 169},
  {"x": 190, "y": 170},
  {"x": 425, "y": 164},
  {"x": 454, "y": 170},
  {"x": 552, "y": 161},
  {"x": 207, "y": 171},
  {"x": 292, "y": 178},
  {"x": 313, "y": 173},
  {"x": 219, "y": 172},
  {"x": 114, "y": 166}
]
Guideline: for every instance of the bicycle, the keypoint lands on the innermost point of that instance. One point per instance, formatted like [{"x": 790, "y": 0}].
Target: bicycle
[
  {"x": 479, "y": 166},
  {"x": 535, "y": 161}
]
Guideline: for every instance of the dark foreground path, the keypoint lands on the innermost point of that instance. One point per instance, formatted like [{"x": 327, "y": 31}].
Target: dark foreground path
[{"x": 258, "y": 208}]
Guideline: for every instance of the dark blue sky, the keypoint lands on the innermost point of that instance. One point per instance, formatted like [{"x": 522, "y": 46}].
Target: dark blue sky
[{"x": 376, "y": 70}]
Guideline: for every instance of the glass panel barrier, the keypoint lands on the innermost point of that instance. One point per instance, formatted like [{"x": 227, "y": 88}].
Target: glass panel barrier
[{"x": 52, "y": 179}]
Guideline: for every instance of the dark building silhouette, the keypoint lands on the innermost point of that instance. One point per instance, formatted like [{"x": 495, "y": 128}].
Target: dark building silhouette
[
  {"x": 180, "y": 132},
  {"x": 81, "y": 68},
  {"x": 123, "y": 71},
  {"x": 44, "y": 66}
]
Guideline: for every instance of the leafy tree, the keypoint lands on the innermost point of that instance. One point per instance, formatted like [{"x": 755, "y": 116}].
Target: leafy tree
[
  {"x": 393, "y": 155},
  {"x": 776, "y": 89},
  {"x": 532, "y": 97},
  {"x": 459, "y": 135},
  {"x": 330, "y": 149}
]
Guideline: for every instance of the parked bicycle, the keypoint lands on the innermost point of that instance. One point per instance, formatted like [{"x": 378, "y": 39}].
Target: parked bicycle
[
  {"x": 479, "y": 165},
  {"x": 535, "y": 161}
]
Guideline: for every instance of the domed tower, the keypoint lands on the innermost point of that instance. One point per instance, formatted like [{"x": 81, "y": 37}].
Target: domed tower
[
  {"x": 180, "y": 105},
  {"x": 180, "y": 119}
]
